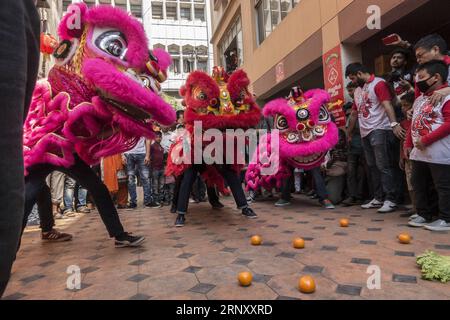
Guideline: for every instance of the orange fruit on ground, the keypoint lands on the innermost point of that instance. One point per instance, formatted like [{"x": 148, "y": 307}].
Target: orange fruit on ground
[
  {"x": 298, "y": 243},
  {"x": 306, "y": 284},
  {"x": 245, "y": 278},
  {"x": 343, "y": 223},
  {"x": 404, "y": 238},
  {"x": 256, "y": 240}
]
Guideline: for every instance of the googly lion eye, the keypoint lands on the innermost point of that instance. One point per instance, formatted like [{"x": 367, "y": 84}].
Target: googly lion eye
[
  {"x": 302, "y": 114},
  {"x": 281, "y": 123},
  {"x": 202, "y": 96},
  {"x": 324, "y": 115},
  {"x": 146, "y": 82},
  {"x": 113, "y": 43}
]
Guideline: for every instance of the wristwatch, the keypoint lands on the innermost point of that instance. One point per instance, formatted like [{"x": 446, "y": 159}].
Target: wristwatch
[{"x": 394, "y": 124}]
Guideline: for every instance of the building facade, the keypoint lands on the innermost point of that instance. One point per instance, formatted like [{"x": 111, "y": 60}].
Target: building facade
[
  {"x": 183, "y": 28},
  {"x": 281, "y": 43}
]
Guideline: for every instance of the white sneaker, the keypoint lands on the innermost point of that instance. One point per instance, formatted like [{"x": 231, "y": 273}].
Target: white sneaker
[
  {"x": 418, "y": 222},
  {"x": 388, "y": 206},
  {"x": 438, "y": 225},
  {"x": 413, "y": 216},
  {"x": 372, "y": 204}
]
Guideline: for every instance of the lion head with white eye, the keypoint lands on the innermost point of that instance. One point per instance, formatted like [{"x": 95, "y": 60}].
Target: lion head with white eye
[
  {"x": 306, "y": 128},
  {"x": 105, "y": 51}
]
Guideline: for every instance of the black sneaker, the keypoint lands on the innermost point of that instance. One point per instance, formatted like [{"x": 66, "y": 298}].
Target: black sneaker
[
  {"x": 131, "y": 206},
  {"x": 217, "y": 205},
  {"x": 249, "y": 213},
  {"x": 153, "y": 205},
  {"x": 128, "y": 240},
  {"x": 180, "y": 221}
]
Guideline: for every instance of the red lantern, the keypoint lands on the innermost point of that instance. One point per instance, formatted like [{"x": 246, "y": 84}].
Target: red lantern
[{"x": 48, "y": 43}]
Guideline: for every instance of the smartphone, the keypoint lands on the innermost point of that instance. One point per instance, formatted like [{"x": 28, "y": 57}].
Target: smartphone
[{"x": 391, "y": 39}]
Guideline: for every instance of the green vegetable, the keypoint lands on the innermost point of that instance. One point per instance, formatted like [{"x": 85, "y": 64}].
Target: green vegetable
[{"x": 434, "y": 266}]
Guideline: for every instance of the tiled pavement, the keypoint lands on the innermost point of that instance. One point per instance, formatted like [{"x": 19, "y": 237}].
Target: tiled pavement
[{"x": 202, "y": 260}]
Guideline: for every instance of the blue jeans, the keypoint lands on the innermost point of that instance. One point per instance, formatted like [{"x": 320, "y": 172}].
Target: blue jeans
[
  {"x": 136, "y": 160},
  {"x": 158, "y": 185},
  {"x": 380, "y": 148},
  {"x": 319, "y": 184},
  {"x": 74, "y": 195}
]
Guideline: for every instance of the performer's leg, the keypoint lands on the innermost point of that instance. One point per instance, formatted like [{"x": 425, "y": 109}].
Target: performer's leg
[
  {"x": 44, "y": 202},
  {"x": 232, "y": 178},
  {"x": 34, "y": 189},
  {"x": 213, "y": 198},
  {"x": 81, "y": 172},
  {"x": 187, "y": 182}
]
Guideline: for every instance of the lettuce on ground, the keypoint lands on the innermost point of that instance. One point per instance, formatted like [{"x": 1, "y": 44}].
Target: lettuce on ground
[{"x": 434, "y": 266}]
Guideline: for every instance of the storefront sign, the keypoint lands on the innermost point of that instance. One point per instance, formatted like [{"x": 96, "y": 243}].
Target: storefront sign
[
  {"x": 279, "y": 72},
  {"x": 334, "y": 83}
]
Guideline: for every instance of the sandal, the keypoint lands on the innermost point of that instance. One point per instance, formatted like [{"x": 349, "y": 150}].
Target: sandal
[{"x": 55, "y": 236}]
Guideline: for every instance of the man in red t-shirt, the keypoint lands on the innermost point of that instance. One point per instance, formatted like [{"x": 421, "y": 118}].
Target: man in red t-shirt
[{"x": 379, "y": 128}]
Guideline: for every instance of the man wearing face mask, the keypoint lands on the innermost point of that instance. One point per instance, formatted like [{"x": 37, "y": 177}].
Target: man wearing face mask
[
  {"x": 428, "y": 48},
  {"x": 379, "y": 127},
  {"x": 428, "y": 146}
]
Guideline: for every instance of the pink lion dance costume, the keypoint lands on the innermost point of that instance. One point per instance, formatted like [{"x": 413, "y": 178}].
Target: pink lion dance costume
[
  {"x": 99, "y": 99},
  {"x": 218, "y": 102},
  {"x": 306, "y": 133}
]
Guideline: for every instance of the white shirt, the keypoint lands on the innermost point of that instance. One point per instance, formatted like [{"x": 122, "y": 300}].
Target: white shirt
[
  {"x": 371, "y": 113},
  {"x": 139, "y": 148}
]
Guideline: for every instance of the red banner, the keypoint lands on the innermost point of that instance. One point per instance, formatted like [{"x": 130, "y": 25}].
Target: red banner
[{"x": 334, "y": 84}]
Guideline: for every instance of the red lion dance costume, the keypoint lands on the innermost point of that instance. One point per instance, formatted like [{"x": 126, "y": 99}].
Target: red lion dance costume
[
  {"x": 306, "y": 133},
  {"x": 99, "y": 99},
  {"x": 219, "y": 102}
]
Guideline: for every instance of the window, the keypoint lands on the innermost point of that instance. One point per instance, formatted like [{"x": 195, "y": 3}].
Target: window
[
  {"x": 188, "y": 50},
  {"x": 188, "y": 65},
  {"x": 159, "y": 46},
  {"x": 66, "y": 3},
  {"x": 171, "y": 11},
  {"x": 175, "y": 66},
  {"x": 157, "y": 10},
  {"x": 174, "y": 49},
  {"x": 136, "y": 10},
  {"x": 185, "y": 12},
  {"x": 202, "y": 64},
  {"x": 231, "y": 47},
  {"x": 270, "y": 13},
  {"x": 199, "y": 13}
]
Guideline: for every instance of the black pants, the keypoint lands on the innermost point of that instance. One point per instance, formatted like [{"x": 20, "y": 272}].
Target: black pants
[
  {"x": 199, "y": 189},
  {"x": 213, "y": 197},
  {"x": 356, "y": 176},
  {"x": 230, "y": 176},
  {"x": 36, "y": 189},
  {"x": 19, "y": 61},
  {"x": 423, "y": 173},
  {"x": 286, "y": 187}
]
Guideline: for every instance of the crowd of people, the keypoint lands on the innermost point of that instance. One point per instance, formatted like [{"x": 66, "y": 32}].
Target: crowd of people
[
  {"x": 393, "y": 151},
  {"x": 387, "y": 157}
]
